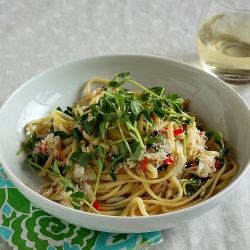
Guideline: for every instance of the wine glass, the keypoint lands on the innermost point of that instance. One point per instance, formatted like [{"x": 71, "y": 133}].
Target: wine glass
[{"x": 223, "y": 39}]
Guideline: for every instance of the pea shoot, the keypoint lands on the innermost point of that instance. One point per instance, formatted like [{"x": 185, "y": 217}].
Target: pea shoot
[{"x": 117, "y": 108}]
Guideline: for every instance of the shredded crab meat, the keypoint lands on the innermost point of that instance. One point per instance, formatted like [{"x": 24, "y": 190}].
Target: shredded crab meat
[
  {"x": 87, "y": 189},
  {"x": 156, "y": 158},
  {"x": 196, "y": 142},
  {"x": 206, "y": 166},
  {"x": 50, "y": 144},
  {"x": 51, "y": 190},
  {"x": 80, "y": 175}
]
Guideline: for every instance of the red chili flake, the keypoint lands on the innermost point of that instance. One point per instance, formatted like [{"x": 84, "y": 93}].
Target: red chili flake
[
  {"x": 153, "y": 117},
  {"x": 217, "y": 163},
  {"x": 43, "y": 149},
  {"x": 184, "y": 127},
  {"x": 168, "y": 160},
  {"x": 178, "y": 131},
  {"x": 191, "y": 165},
  {"x": 58, "y": 154},
  {"x": 144, "y": 164},
  {"x": 96, "y": 205},
  {"x": 201, "y": 133}
]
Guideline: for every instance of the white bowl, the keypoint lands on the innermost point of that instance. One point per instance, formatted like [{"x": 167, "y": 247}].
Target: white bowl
[{"x": 217, "y": 104}]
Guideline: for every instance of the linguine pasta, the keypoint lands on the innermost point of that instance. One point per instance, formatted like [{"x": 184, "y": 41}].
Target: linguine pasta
[{"x": 124, "y": 153}]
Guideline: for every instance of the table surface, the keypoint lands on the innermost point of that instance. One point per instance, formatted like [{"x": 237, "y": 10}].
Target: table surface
[{"x": 38, "y": 35}]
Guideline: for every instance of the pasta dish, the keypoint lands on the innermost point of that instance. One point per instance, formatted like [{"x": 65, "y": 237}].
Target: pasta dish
[{"x": 127, "y": 153}]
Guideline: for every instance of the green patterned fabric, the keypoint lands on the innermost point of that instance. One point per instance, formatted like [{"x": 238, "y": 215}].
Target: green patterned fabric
[{"x": 27, "y": 227}]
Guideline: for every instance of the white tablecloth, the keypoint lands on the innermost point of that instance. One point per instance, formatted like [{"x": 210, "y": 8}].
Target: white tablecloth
[{"x": 37, "y": 35}]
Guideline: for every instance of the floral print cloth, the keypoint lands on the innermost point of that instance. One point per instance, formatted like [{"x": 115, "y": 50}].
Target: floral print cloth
[{"x": 27, "y": 227}]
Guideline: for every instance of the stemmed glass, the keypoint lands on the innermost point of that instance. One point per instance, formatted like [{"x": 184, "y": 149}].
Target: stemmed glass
[{"x": 223, "y": 39}]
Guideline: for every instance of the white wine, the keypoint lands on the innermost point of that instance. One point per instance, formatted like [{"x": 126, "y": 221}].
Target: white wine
[{"x": 223, "y": 43}]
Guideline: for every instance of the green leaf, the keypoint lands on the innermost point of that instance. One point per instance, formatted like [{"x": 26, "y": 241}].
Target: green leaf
[
  {"x": 122, "y": 91},
  {"x": 222, "y": 161},
  {"x": 157, "y": 104},
  {"x": 129, "y": 95},
  {"x": 153, "y": 146},
  {"x": 116, "y": 159},
  {"x": 74, "y": 204},
  {"x": 158, "y": 90},
  {"x": 68, "y": 168},
  {"x": 133, "y": 118},
  {"x": 99, "y": 117},
  {"x": 55, "y": 168},
  {"x": 67, "y": 112},
  {"x": 144, "y": 96},
  {"x": 37, "y": 159},
  {"x": 62, "y": 135},
  {"x": 68, "y": 184},
  {"x": 122, "y": 149},
  {"x": 100, "y": 151},
  {"x": 52, "y": 129},
  {"x": 147, "y": 118},
  {"x": 135, "y": 108},
  {"x": 177, "y": 108},
  {"x": 175, "y": 97},
  {"x": 104, "y": 105},
  {"x": 77, "y": 134},
  {"x": 125, "y": 75},
  {"x": 70, "y": 109},
  {"x": 103, "y": 130},
  {"x": 159, "y": 112},
  {"x": 32, "y": 140},
  {"x": 216, "y": 135},
  {"x": 89, "y": 125},
  {"x": 187, "y": 122},
  {"x": 155, "y": 139},
  {"x": 83, "y": 158},
  {"x": 223, "y": 152},
  {"x": 113, "y": 85},
  {"x": 125, "y": 116},
  {"x": 168, "y": 103},
  {"x": 111, "y": 118},
  {"x": 177, "y": 119},
  {"x": 190, "y": 192},
  {"x": 97, "y": 131},
  {"x": 137, "y": 152},
  {"x": 79, "y": 196},
  {"x": 113, "y": 175},
  {"x": 120, "y": 101},
  {"x": 175, "y": 101},
  {"x": 193, "y": 184},
  {"x": 93, "y": 109}
]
